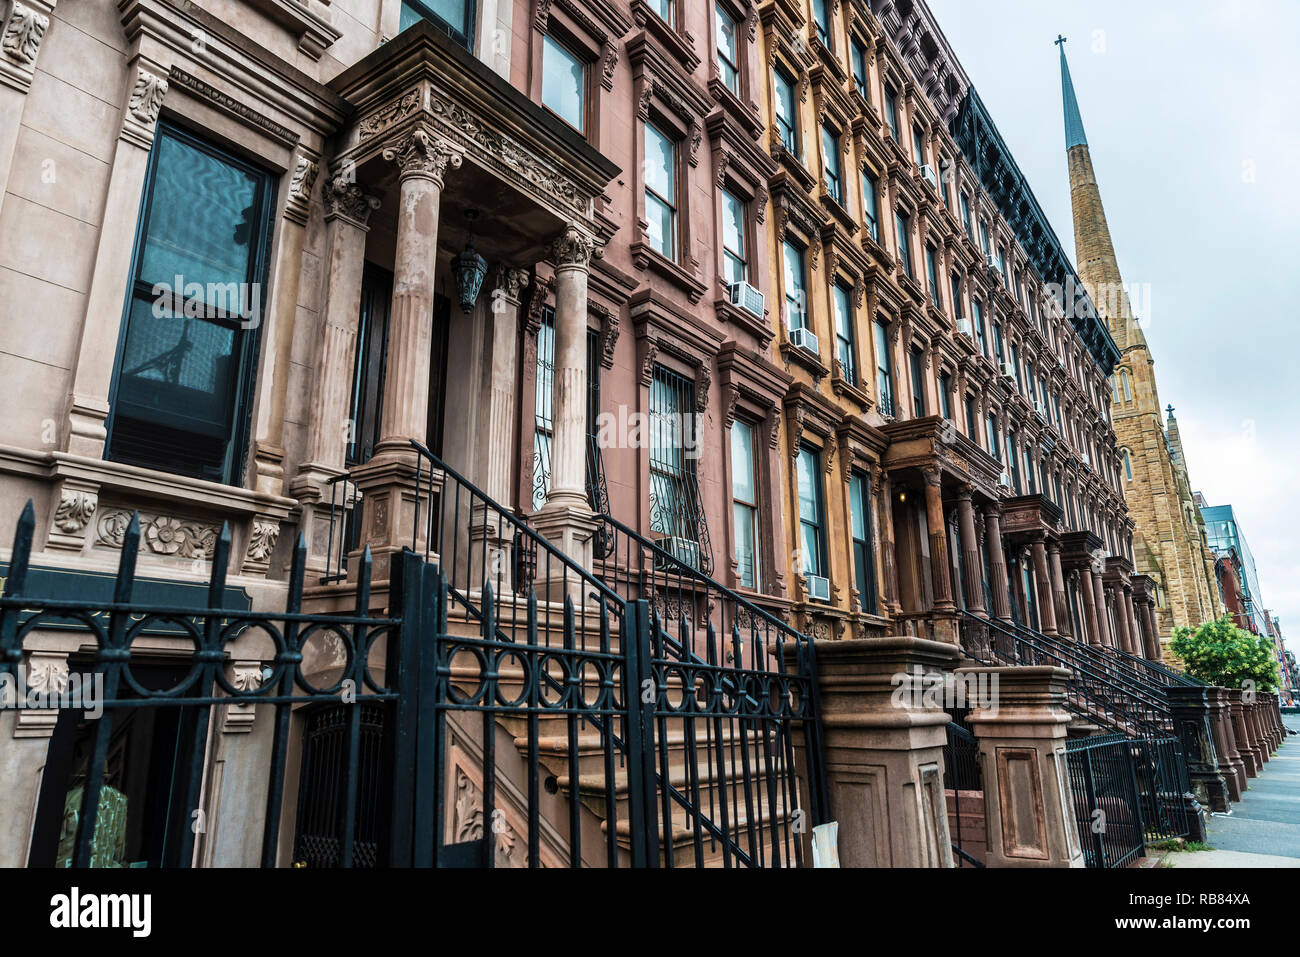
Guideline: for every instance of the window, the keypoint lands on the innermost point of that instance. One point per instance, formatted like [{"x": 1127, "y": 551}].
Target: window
[
  {"x": 918, "y": 146},
  {"x": 841, "y": 297},
  {"x": 978, "y": 320},
  {"x": 1015, "y": 361},
  {"x": 884, "y": 370},
  {"x": 674, "y": 485},
  {"x": 1002, "y": 266},
  {"x": 917, "y": 362},
  {"x": 831, "y": 164},
  {"x": 666, "y": 9},
  {"x": 735, "y": 265},
  {"x": 744, "y": 503},
  {"x": 1128, "y": 464},
  {"x": 965, "y": 216},
  {"x": 956, "y": 296},
  {"x": 786, "y": 113},
  {"x": 812, "y": 532},
  {"x": 187, "y": 356},
  {"x": 728, "y": 50},
  {"x": 891, "y": 111},
  {"x": 1013, "y": 460},
  {"x": 661, "y": 191},
  {"x": 454, "y": 17},
  {"x": 864, "y": 567},
  {"x": 904, "y": 224},
  {"x": 932, "y": 271},
  {"x": 822, "y": 20},
  {"x": 564, "y": 84},
  {"x": 1029, "y": 470},
  {"x": 871, "y": 205},
  {"x": 796, "y": 295},
  {"x": 544, "y": 409},
  {"x": 858, "y": 56},
  {"x": 995, "y": 449},
  {"x": 1127, "y": 384},
  {"x": 984, "y": 238},
  {"x": 997, "y": 344},
  {"x": 945, "y": 395},
  {"x": 971, "y": 429}
]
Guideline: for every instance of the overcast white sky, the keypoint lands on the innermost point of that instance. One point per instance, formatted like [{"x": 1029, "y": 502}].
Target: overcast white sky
[{"x": 1191, "y": 114}]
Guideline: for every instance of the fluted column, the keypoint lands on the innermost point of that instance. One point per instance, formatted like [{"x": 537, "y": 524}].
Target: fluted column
[
  {"x": 1089, "y": 606},
  {"x": 1135, "y": 629},
  {"x": 997, "y": 562},
  {"x": 1121, "y": 619},
  {"x": 1153, "y": 630},
  {"x": 507, "y": 283},
  {"x": 1063, "y": 624},
  {"x": 423, "y": 160},
  {"x": 1042, "y": 579},
  {"x": 1103, "y": 621},
  {"x": 889, "y": 551},
  {"x": 971, "y": 564},
  {"x": 940, "y": 564}
]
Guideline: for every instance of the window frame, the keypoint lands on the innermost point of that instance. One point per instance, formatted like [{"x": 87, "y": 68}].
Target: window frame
[
  {"x": 789, "y": 244},
  {"x": 719, "y": 12},
  {"x": 648, "y": 192},
  {"x": 787, "y": 127},
  {"x": 845, "y": 340},
  {"x": 471, "y": 21},
  {"x": 559, "y": 39},
  {"x": 861, "y": 542},
  {"x": 754, "y": 508},
  {"x": 818, "y": 524}
]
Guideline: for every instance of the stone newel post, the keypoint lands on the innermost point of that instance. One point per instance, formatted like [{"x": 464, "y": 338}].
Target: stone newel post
[
  {"x": 1027, "y": 804},
  {"x": 1190, "y": 707},
  {"x": 884, "y": 750},
  {"x": 1225, "y": 743}
]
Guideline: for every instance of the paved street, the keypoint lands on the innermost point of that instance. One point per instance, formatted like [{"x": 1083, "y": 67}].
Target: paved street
[{"x": 1264, "y": 829}]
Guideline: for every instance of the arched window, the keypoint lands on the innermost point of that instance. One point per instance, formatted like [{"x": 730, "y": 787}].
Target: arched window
[
  {"x": 1127, "y": 383},
  {"x": 1128, "y": 464}
]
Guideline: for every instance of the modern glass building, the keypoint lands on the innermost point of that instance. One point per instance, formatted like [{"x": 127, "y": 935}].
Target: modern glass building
[{"x": 1224, "y": 533}]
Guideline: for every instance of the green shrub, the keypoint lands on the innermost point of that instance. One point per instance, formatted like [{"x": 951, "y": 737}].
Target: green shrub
[{"x": 1222, "y": 654}]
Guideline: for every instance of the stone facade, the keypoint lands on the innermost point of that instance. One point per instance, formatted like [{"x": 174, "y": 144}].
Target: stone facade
[{"x": 1170, "y": 542}]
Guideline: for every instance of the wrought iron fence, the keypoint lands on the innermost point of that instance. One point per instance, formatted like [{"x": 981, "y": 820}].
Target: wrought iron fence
[
  {"x": 963, "y": 779},
  {"x": 1107, "y": 804}
]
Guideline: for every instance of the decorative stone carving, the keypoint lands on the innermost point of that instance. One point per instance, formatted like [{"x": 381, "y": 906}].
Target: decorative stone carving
[
  {"x": 262, "y": 539},
  {"x": 733, "y": 396},
  {"x": 421, "y": 153},
  {"x": 348, "y": 201},
  {"x": 161, "y": 534},
  {"x": 147, "y": 97},
  {"x": 511, "y": 280},
  {"x": 76, "y": 507},
  {"x": 573, "y": 247},
  {"x": 23, "y": 32},
  {"x": 244, "y": 676},
  {"x": 468, "y": 824},
  {"x": 227, "y": 104},
  {"x": 390, "y": 115},
  {"x": 609, "y": 331},
  {"x": 608, "y": 64},
  {"x": 303, "y": 178}
]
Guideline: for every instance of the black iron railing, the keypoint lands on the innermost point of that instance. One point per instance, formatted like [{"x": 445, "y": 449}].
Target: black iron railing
[
  {"x": 1107, "y": 804},
  {"x": 962, "y": 778}
]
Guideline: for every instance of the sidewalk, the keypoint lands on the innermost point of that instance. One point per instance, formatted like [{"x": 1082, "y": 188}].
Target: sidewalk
[{"x": 1263, "y": 830}]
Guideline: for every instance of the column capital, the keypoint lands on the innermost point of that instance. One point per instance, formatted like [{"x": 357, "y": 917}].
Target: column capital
[
  {"x": 964, "y": 491},
  {"x": 420, "y": 154},
  {"x": 573, "y": 248},
  {"x": 348, "y": 201},
  {"x": 933, "y": 477}
]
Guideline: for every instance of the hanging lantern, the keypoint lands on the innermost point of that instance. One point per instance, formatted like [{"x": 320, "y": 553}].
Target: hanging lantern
[{"x": 470, "y": 269}]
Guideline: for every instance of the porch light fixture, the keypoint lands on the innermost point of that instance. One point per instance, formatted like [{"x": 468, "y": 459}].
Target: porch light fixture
[{"x": 469, "y": 268}]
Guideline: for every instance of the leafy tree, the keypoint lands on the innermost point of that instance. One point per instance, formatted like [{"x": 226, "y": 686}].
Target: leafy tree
[{"x": 1223, "y": 654}]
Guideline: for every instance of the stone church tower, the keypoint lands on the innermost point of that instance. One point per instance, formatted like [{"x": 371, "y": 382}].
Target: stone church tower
[{"x": 1170, "y": 543}]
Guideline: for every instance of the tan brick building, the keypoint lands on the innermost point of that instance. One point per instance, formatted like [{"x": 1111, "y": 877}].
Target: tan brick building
[{"x": 1169, "y": 543}]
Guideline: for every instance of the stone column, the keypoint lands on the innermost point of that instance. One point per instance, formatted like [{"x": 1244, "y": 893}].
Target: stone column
[
  {"x": 1190, "y": 708},
  {"x": 883, "y": 747},
  {"x": 1258, "y": 738},
  {"x": 1089, "y": 605},
  {"x": 567, "y": 519},
  {"x": 1027, "y": 804},
  {"x": 390, "y": 496},
  {"x": 1103, "y": 623},
  {"x": 1153, "y": 630},
  {"x": 1135, "y": 626},
  {"x": 971, "y": 561},
  {"x": 347, "y": 210},
  {"x": 1245, "y": 746},
  {"x": 1225, "y": 745},
  {"x": 1063, "y": 624},
  {"x": 998, "y": 583},
  {"x": 1042, "y": 580},
  {"x": 1121, "y": 619},
  {"x": 940, "y": 564},
  {"x": 889, "y": 556}
]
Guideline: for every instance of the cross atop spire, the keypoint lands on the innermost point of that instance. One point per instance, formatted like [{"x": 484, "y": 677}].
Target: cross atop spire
[
  {"x": 1169, "y": 409},
  {"x": 1074, "y": 135}
]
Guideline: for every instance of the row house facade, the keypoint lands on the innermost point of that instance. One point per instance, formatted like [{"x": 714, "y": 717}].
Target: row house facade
[{"x": 253, "y": 251}]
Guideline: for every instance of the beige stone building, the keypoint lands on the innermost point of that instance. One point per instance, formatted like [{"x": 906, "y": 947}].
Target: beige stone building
[{"x": 1170, "y": 542}]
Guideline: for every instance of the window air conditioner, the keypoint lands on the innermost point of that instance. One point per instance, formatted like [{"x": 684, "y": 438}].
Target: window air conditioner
[
  {"x": 1040, "y": 409},
  {"x": 746, "y": 297},
  {"x": 684, "y": 550},
  {"x": 819, "y": 588},
  {"x": 1009, "y": 370},
  {"x": 1004, "y": 480},
  {"x": 928, "y": 174},
  {"x": 804, "y": 339},
  {"x": 964, "y": 327},
  {"x": 992, "y": 262}
]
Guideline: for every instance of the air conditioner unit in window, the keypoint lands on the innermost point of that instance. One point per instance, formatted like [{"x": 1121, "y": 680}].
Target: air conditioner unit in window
[
  {"x": 1040, "y": 409},
  {"x": 804, "y": 339},
  {"x": 1004, "y": 480},
  {"x": 992, "y": 262},
  {"x": 684, "y": 550},
  {"x": 745, "y": 296},
  {"x": 1009, "y": 370},
  {"x": 928, "y": 174},
  {"x": 1087, "y": 460},
  {"x": 819, "y": 588},
  {"x": 964, "y": 327}
]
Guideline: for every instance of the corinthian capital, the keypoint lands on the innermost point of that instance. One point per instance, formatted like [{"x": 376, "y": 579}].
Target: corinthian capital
[
  {"x": 348, "y": 201},
  {"x": 419, "y": 153},
  {"x": 573, "y": 247}
]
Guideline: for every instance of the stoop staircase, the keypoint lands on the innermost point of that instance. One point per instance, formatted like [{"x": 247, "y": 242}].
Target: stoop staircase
[{"x": 637, "y": 713}]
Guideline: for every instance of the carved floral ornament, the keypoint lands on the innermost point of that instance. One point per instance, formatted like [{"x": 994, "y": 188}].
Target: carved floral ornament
[
  {"x": 161, "y": 534},
  {"x": 420, "y": 153},
  {"x": 75, "y": 509},
  {"x": 573, "y": 248},
  {"x": 147, "y": 97},
  {"x": 348, "y": 200},
  {"x": 23, "y": 32}
]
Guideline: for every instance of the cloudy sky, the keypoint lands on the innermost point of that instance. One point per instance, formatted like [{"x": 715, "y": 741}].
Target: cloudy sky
[{"x": 1191, "y": 116}]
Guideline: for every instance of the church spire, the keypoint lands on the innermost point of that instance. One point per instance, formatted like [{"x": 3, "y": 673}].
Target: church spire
[{"x": 1074, "y": 135}]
